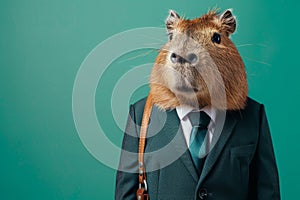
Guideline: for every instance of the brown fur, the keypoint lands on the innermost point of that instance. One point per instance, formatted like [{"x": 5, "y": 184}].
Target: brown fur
[{"x": 225, "y": 58}]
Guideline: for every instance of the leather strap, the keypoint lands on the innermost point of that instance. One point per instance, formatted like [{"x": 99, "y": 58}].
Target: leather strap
[{"x": 142, "y": 192}]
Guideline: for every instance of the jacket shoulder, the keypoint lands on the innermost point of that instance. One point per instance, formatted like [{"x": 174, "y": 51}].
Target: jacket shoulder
[
  {"x": 137, "y": 109},
  {"x": 252, "y": 103},
  {"x": 140, "y": 104},
  {"x": 251, "y": 113},
  {"x": 252, "y": 106}
]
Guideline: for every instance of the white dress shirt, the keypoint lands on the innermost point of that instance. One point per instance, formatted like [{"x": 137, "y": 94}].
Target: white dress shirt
[{"x": 183, "y": 111}]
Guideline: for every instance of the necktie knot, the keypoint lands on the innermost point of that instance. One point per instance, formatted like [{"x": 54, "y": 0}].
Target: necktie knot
[{"x": 199, "y": 119}]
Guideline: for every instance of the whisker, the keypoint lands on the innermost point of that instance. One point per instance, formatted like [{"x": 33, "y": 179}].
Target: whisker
[
  {"x": 252, "y": 74},
  {"x": 257, "y": 61},
  {"x": 137, "y": 56},
  {"x": 160, "y": 44},
  {"x": 153, "y": 38},
  {"x": 249, "y": 44}
]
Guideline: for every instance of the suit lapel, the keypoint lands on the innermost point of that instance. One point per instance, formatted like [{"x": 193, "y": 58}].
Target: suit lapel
[
  {"x": 186, "y": 158},
  {"x": 212, "y": 157},
  {"x": 171, "y": 133}
]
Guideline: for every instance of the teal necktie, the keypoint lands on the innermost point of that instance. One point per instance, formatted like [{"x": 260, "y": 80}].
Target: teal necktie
[{"x": 199, "y": 121}]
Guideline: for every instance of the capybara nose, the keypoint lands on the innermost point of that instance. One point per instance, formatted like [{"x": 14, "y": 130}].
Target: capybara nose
[
  {"x": 190, "y": 58},
  {"x": 177, "y": 59}
]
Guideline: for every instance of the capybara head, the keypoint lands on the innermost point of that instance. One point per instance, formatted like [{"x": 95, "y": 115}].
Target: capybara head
[{"x": 199, "y": 65}]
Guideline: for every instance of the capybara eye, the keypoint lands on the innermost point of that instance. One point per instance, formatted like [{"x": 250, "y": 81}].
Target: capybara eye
[{"x": 216, "y": 38}]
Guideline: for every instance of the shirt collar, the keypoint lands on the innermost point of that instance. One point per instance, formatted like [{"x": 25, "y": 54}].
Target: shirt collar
[{"x": 184, "y": 110}]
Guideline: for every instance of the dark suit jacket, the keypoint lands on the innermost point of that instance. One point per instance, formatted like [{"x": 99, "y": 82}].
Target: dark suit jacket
[{"x": 240, "y": 166}]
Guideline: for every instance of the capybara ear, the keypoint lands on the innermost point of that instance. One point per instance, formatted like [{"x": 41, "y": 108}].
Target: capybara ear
[
  {"x": 171, "y": 22},
  {"x": 228, "y": 21}
]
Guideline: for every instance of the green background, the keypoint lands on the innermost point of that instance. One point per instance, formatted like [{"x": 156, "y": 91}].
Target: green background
[{"x": 42, "y": 45}]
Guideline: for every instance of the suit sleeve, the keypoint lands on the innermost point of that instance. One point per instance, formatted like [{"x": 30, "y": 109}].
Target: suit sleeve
[
  {"x": 127, "y": 176},
  {"x": 264, "y": 181}
]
